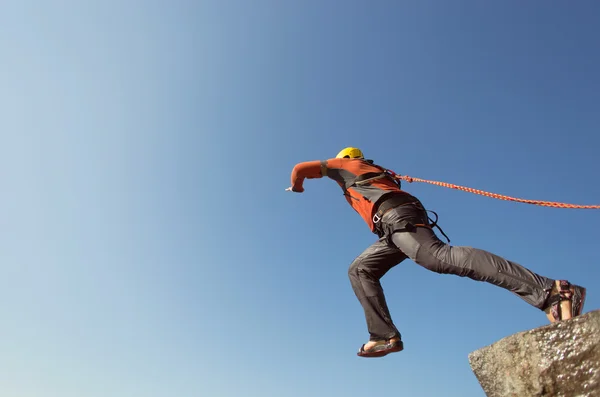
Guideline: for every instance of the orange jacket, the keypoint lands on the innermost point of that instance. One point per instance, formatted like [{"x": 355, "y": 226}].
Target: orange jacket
[{"x": 362, "y": 197}]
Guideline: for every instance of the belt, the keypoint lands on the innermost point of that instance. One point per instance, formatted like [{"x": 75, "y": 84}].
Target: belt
[{"x": 389, "y": 203}]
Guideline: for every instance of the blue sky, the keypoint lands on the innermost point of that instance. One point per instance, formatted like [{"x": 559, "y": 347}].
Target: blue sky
[{"x": 148, "y": 246}]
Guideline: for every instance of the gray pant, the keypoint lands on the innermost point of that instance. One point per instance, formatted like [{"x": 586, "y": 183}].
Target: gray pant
[{"x": 421, "y": 245}]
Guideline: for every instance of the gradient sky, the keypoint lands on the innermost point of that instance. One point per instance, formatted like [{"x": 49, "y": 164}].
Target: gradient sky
[{"x": 148, "y": 247}]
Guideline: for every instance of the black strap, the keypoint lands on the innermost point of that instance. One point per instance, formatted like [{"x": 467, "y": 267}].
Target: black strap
[
  {"x": 392, "y": 201},
  {"x": 365, "y": 178},
  {"x": 434, "y": 223},
  {"x": 389, "y": 174},
  {"x": 373, "y": 176}
]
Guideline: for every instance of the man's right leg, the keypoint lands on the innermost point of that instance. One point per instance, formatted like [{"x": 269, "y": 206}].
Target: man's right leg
[{"x": 364, "y": 273}]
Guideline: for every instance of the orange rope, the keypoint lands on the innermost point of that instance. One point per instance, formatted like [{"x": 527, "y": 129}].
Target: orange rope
[{"x": 497, "y": 196}]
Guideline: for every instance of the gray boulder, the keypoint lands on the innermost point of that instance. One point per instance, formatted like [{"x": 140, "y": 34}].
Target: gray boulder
[{"x": 561, "y": 359}]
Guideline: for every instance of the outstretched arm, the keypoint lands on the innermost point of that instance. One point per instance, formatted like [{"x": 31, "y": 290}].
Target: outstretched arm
[{"x": 306, "y": 170}]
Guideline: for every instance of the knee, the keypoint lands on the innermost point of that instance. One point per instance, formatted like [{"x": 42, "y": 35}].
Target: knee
[
  {"x": 353, "y": 269},
  {"x": 358, "y": 270}
]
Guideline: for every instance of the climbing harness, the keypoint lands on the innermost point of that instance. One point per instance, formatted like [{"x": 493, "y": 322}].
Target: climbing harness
[
  {"x": 399, "y": 201},
  {"x": 493, "y": 195}
]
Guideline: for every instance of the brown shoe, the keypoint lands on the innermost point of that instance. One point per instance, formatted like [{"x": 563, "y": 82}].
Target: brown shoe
[
  {"x": 382, "y": 348},
  {"x": 565, "y": 301}
]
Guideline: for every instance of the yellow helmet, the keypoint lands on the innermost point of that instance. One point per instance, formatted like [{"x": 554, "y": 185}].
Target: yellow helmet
[{"x": 350, "y": 152}]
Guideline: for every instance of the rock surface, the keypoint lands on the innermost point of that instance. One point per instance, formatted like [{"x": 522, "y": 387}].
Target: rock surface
[{"x": 557, "y": 360}]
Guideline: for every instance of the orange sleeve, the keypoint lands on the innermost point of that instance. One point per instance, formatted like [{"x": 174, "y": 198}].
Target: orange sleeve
[
  {"x": 335, "y": 163},
  {"x": 306, "y": 170}
]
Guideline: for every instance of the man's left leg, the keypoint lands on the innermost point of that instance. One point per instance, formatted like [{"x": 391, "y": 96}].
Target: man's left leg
[{"x": 364, "y": 273}]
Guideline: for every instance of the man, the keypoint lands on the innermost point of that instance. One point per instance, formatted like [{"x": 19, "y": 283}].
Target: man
[{"x": 405, "y": 231}]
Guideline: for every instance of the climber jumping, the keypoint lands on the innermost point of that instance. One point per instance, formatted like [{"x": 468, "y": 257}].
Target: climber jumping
[{"x": 406, "y": 231}]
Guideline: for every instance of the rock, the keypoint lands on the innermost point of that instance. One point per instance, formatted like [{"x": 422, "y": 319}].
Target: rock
[{"x": 561, "y": 359}]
